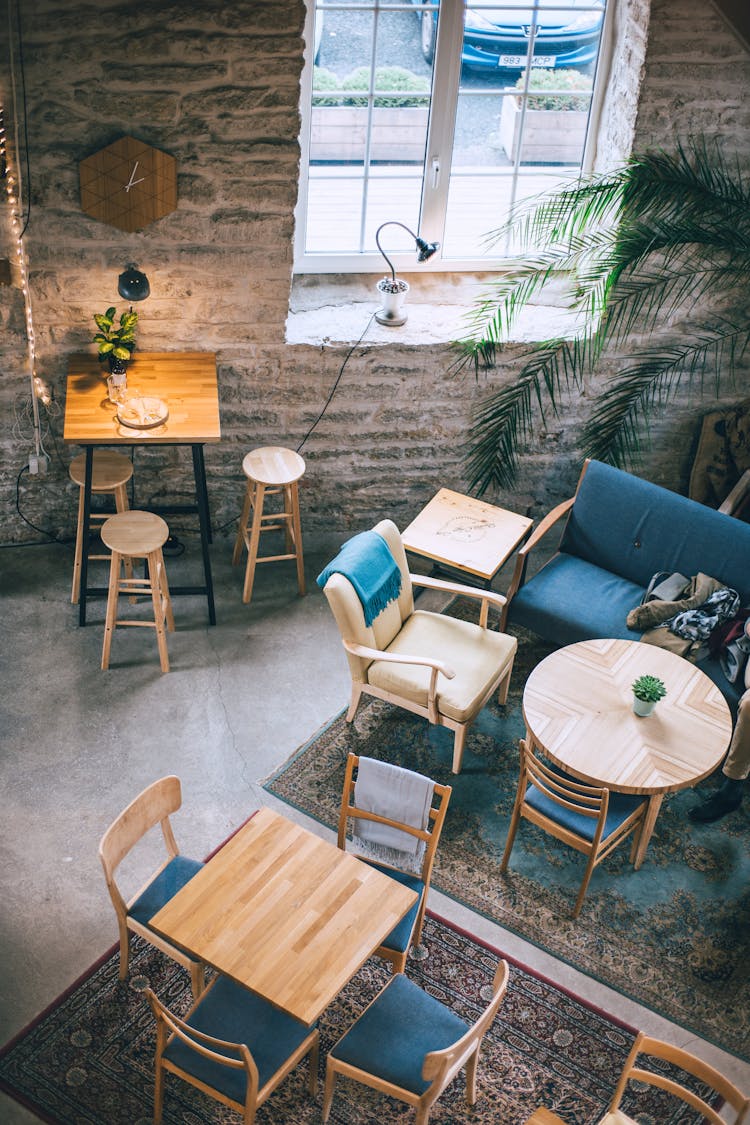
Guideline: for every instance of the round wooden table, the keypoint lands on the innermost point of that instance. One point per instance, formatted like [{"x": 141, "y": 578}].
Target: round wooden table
[{"x": 578, "y": 709}]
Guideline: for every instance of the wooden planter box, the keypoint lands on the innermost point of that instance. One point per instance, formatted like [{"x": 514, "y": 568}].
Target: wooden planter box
[
  {"x": 339, "y": 132},
  {"x": 551, "y": 136}
]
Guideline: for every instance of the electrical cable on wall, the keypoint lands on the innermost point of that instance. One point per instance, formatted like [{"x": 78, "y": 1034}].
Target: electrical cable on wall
[{"x": 338, "y": 380}]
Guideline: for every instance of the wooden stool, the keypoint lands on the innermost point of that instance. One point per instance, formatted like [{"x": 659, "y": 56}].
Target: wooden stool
[
  {"x": 271, "y": 470},
  {"x": 110, "y": 473},
  {"x": 139, "y": 535}
]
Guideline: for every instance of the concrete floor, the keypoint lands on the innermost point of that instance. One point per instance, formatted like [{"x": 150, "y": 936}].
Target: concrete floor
[{"x": 78, "y": 744}]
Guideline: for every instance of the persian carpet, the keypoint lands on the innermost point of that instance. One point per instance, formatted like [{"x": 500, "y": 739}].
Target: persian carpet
[
  {"x": 675, "y": 936},
  {"x": 90, "y": 1057}
]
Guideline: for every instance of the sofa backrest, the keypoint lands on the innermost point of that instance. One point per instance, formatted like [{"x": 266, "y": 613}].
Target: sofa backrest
[{"x": 634, "y": 528}]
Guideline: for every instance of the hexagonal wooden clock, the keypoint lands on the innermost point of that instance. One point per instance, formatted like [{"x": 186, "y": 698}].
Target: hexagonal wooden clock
[{"x": 128, "y": 184}]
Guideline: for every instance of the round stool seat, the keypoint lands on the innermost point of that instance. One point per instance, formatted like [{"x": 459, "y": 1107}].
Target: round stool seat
[
  {"x": 273, "y": 465},
  {"x": 109, "y": 470},
  {"x": 134, "y": 533}
]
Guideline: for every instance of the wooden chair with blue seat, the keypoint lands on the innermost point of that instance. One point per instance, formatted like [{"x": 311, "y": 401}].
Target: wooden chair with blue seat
[
  {"x": 713, "y": 1109},
  {"x": 431, "y": 664},
  {"x": 243, "y": 1071},
  {"x": 409, "y": 1045},
  {"x": 151, "y": 807},
  {"x": 411, "y": 864},
  {"x": 589, "y": 818}
]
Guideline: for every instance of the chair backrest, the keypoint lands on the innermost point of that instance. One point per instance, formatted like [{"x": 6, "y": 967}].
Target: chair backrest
[
  {"x": 440, "y": 1067},
  {"x": 347, "y": 608},
  {"x": 687, "y": 1062},
  {"x": 235, "y": 1056},
  {"x": 153, "y": 806},
  {"x": 428, "y": 836},
  {"x": 568, "y": 796}
]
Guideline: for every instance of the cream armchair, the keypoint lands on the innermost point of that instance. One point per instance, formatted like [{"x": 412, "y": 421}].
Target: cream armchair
[{"x": 428, "y": 663}]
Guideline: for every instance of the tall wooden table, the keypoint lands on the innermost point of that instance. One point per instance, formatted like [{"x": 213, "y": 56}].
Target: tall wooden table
[
  {"x": 285, "y": 914},
  {"x": 578, "y": 709},
  {"x": 465, "y": 535},
  {"x": 187, "y": 382}
]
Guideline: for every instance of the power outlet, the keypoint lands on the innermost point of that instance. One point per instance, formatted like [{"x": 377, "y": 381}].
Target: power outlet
[
  {"x": 38, "y": 464},
  {"x": 43, "y": 461}
]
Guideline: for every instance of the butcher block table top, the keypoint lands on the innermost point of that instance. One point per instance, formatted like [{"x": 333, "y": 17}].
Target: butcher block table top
[{"x": 285, "y": 913}]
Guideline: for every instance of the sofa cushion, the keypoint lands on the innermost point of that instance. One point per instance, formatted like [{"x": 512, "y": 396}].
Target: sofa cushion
[
  {"x": 634, "y": 528},
  {"x": 572, "y": 600}
]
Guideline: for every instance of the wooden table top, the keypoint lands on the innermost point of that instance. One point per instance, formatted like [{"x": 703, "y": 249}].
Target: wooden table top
[
  {"x": 578, "y": 707},
  {"x": 186, "y": 381},
  {"x": 465, "y": 533},
  {"x": 285, "y": 913}
]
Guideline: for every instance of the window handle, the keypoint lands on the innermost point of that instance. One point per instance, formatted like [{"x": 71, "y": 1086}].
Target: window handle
[{"x": 435, "y": 166}]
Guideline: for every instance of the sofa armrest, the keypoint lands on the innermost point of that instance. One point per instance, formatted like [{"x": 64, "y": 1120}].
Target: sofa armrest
[
  {"x": 738, "y": 497},
  {"x": 522, "y": 555}
]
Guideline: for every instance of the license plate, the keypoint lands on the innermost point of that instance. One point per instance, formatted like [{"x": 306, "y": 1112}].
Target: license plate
[{"x": 520, "y": 60}]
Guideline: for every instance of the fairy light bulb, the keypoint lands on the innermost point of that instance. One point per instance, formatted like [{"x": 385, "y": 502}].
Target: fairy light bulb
[{"x": 39, "y": 388}]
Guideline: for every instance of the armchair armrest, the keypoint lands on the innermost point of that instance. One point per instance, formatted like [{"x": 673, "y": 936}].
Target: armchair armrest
[
  {"x": 486, "y": 597},
  {"x": 398, "y": 658},
  {"x": 522, "y": 555},
  {"x": 738, "y": 497}
]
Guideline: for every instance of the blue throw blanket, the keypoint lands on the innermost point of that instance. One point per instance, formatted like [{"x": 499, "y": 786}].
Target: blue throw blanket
[{"x": 367, "y": 562}]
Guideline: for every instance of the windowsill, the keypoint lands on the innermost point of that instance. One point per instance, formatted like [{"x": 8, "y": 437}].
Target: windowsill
[{"x": 337, "y": 309}]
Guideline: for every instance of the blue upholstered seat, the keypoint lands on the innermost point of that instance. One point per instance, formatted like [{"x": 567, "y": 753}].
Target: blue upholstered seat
[
  {"x": 232, "y": 1013},
  {"x": 399, "y": 936},
  {"x": 619, "y": 808},
  {"x": 164, "y": 887},
  {"x": 391, "y": 1037}
]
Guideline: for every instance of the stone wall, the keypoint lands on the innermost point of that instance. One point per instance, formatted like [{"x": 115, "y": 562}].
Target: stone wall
[{"x": 217, "y": 86}]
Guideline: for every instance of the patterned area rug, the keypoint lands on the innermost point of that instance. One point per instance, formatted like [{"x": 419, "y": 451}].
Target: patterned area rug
[
  {"x": 89, "y": 1058},
  {"x": 674, "y": 936}
]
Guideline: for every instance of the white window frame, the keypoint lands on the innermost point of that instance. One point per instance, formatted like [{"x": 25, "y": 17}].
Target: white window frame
[{"x": 439, "y": 145}]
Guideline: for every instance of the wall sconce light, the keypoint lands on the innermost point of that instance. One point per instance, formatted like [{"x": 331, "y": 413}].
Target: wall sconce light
[
  {"x": 393, "y": 289},
  {"x": 132, "y": 284}
]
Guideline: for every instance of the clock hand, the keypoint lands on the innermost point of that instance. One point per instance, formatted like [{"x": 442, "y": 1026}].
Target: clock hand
[{"x": 132, "y": 181}]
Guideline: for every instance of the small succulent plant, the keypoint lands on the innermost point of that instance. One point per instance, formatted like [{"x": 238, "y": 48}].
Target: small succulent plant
[{"x": 649, "y": 688}]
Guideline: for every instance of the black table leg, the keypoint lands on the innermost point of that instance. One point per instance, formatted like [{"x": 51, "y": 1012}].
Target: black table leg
[
  {"x": 86, "y": 534},
  {"x": 201, "y": 493}
]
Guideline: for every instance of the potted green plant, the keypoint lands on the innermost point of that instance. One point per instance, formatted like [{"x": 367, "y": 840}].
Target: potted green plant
[
  {"x": 554, "y": 124},
  {"x": 116, "y": 342},
  {"x": 647, "y": 691}
]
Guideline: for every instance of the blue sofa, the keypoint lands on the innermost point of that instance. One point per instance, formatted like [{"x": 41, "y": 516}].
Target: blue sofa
[{"x": 620, "y": 530}]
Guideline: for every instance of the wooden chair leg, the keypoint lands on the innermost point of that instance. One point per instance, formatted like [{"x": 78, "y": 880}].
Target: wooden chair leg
[
  {"x": 124, "y": 949},
  {"x": 471, "y": 1077},
  {"x": 197, "y": 978},
  {"x": 459, "y": 741},
  {"x": 158, "y": 1093},
  {"x": 354, "y": 704},
  {"x": 166, "y": 598},
  {"x": 154, "y": 567},
  {"x": 504, "y": 687},
  {"x": 111, "y": 614},
  {"x": 297, "y": 536},
  {"x": 242, "y": 529},
  {"x": 313, "y": 1063},
  {"x": 512, "y": 829},
  {"x": 584, "y": 885},
  {"x": 122, "y": 505},
  {"x": 252, "y": 551},
  {"x": 330, "y": 1082}
]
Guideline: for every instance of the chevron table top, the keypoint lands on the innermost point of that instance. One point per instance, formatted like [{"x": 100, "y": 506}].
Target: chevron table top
[{"x": 577, "y": 705}]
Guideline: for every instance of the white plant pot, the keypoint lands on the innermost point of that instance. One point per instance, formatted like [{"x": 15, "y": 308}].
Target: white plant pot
[
  {"x": 643, "y": 707},
  {"x": 393, "y": 296}
]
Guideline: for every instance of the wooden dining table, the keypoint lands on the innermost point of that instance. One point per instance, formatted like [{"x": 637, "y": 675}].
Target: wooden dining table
[
  {"x": 187, "y": 383},
  {"x": 285, "y": 913},
  {"x": 578, "y": 709}
]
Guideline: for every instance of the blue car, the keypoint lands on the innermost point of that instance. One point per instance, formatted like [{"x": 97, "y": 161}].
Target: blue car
[{"x": 498, "y": 38}]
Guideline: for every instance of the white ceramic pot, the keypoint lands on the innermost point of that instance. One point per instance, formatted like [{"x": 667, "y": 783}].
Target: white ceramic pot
[{"x": 643, "y": 707}]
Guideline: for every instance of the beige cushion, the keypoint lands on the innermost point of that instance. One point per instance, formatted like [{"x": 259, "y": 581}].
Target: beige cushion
[
  {"x": 617, "y": 1117},
  {"x": 477, "y": 656}
]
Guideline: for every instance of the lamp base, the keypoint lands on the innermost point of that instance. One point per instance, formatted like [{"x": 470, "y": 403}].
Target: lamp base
[{"x": 395, "y": 320}]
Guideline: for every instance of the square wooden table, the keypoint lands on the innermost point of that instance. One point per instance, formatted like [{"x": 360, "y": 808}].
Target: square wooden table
[
  {"x": 187, "y": 382},
  {"x": 285, "y": 913},
  {"x": 464, "y": 534}
]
